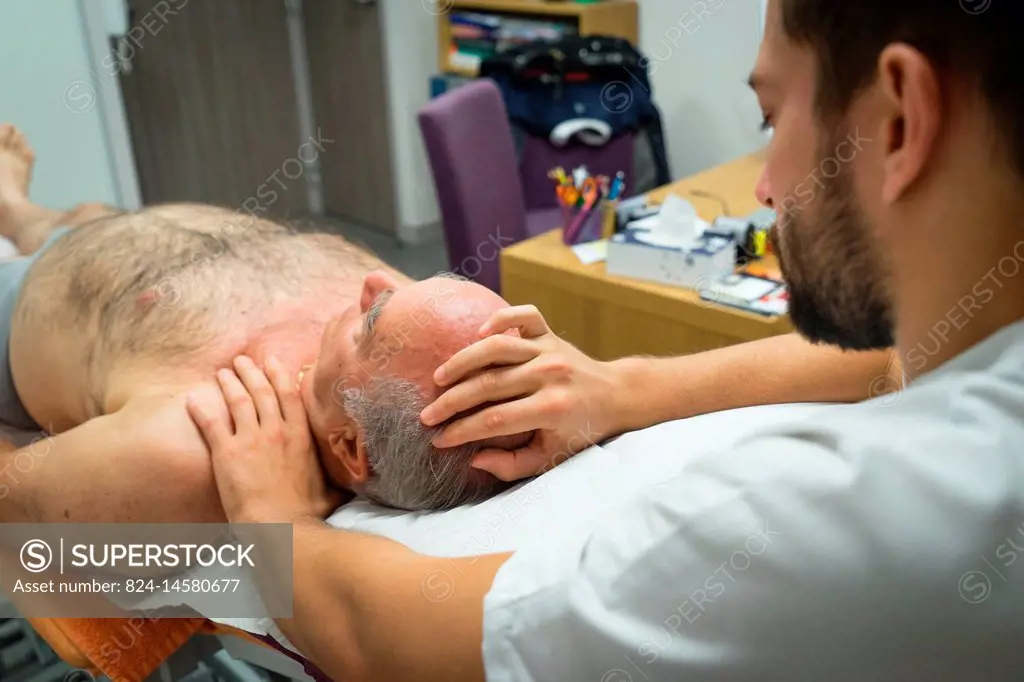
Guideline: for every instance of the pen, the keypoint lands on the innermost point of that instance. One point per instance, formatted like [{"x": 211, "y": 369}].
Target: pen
[
  {"x": 580, "y": 176},
  {"x": 617, "y": 185},
  {"x": 558, "y": 174}
]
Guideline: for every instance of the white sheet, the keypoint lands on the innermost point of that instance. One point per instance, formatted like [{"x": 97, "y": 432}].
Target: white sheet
[
  {"x": 8, "y": 249},
  {"x": 573, "y": 494}
]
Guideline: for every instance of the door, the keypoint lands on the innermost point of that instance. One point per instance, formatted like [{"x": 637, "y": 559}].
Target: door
[
  {"x": 210, "y": 98},
  {"x": 346, "y": 65}
]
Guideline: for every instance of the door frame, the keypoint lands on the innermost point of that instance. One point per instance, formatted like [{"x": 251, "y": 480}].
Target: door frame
[{"x": 110, "y": 103}]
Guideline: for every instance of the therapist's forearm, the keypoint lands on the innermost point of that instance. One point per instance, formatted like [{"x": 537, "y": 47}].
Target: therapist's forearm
[
  {"x": 369, "y": 608},
  {"x": 781, "y": 369}
]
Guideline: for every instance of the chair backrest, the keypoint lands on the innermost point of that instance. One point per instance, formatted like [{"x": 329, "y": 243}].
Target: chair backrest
[
  {"x": 540, "y": 156},
  {"x": 472, "y": 157}
]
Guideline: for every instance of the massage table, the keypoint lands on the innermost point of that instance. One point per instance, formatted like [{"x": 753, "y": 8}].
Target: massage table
[{"x": 575, "y": 494}]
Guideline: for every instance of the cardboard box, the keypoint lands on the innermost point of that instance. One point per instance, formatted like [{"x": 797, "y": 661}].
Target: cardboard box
[{"x": 642, "y": 254}]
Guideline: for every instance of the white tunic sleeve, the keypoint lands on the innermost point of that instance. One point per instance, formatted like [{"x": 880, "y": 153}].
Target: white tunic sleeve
[{"x": 810, "y": 554}]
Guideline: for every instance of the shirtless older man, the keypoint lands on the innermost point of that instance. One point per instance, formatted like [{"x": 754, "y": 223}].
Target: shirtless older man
[{"x": 110, "y": 326}]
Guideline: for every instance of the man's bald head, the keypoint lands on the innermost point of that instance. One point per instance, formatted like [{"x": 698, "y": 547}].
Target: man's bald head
[
  {"x": 409, "y": 331},
  {"x": 375, "y": 375}
]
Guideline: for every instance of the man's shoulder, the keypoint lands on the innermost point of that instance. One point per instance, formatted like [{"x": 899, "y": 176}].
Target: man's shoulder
[{"x": 156, "y": 422}]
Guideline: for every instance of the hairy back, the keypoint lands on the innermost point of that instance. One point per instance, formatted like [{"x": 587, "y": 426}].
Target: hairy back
[{"x": 169, "y": 282}]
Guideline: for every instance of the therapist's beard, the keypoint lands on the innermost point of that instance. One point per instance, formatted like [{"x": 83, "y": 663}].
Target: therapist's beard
[{"x": 836, "y": 279}]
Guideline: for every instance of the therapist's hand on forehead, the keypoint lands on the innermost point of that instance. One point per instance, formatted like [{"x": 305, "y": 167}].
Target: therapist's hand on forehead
[{"x": 563, "y": 396}]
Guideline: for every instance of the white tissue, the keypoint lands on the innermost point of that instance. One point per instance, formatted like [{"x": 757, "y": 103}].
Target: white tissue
[
  {"x": 676, "y": 225},
  {"x": 677, "y": 216}
]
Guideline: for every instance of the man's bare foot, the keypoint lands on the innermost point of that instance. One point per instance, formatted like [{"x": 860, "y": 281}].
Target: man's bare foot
[
  {"x": 16, "y": 160},
  {"x": 26, "y": 224}
]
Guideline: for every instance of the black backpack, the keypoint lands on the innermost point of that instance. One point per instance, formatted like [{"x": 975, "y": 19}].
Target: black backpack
[{"x": 545, "y": 83}]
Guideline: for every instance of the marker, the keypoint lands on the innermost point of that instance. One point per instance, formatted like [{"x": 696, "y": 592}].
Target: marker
[
  {"x": 617, "y": 185},
  {"x": 558, "y": 174},
  {"x": 580, "y": 176}
]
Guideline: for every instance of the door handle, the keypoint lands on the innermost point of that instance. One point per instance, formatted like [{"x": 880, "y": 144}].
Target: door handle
[{"x": 123, "y": 51}]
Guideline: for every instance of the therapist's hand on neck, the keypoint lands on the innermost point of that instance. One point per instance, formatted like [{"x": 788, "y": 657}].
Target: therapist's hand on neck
[
  {"x": 267, "y": 471},
  {"x": 264, "y": 460}
]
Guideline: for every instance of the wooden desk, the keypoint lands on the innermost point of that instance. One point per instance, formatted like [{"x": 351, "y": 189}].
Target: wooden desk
[{"x": 609, "y": 317}]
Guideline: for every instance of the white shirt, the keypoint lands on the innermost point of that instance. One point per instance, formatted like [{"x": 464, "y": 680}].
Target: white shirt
[{"x": 879, "y": 541}]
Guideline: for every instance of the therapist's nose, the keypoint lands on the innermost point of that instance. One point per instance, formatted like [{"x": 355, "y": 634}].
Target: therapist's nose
[{"x": 763, "y": 190}]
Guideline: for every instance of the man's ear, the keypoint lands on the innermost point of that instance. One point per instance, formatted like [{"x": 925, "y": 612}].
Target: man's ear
[
  {"x": 349, "y": 450},
  {"x": 911, "y": 85},
  {"x": 373, "y": 284}
]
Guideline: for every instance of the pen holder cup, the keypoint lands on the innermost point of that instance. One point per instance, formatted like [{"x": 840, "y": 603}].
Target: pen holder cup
[
  {"x": 581, "y": 225},
  {"x": 609, "y": 218}
]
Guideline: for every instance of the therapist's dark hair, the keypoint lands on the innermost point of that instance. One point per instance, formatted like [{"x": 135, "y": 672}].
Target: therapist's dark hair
[{"x": 979, "y": 41}]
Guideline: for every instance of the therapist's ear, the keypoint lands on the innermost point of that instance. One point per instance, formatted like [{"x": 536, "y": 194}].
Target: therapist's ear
[
  {"x": 349, "y": 450},
  {"x": 912, "y": 112}
]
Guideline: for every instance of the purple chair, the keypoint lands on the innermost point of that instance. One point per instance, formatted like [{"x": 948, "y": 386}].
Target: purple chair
[
  {"x": 480, "y": 184},
  {"x": 473, "y": 160}
]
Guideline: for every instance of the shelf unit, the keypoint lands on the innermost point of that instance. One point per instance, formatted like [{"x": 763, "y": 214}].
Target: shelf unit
[{"x": 605, "y": 17}]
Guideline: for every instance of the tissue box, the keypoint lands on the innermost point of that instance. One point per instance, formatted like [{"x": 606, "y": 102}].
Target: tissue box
[{"x": 643, "y": 255}]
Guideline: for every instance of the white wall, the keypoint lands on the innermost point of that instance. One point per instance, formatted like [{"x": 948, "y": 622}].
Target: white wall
[
  {"x": 701, "y": 54},
  {"x": 410, "y": 57},
  {"x": 48, "y": 90}
]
